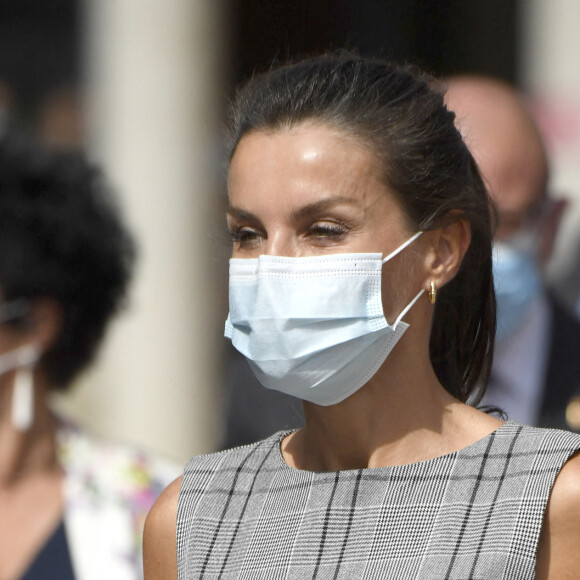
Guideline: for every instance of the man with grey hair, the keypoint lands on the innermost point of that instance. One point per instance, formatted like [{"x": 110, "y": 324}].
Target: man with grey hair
[{"x": 536, "y": 373}]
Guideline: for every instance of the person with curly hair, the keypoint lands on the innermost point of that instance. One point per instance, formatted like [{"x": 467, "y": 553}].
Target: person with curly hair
[{"x": 72, "y": 507}]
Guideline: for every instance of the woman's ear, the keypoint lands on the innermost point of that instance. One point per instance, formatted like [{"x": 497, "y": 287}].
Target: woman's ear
[
  {"x": 447, "y": 246},
  {"x": 44, "y": 322}
]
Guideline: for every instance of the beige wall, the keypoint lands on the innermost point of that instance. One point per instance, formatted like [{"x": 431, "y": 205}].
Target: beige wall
[{"x": 153, "y": 94}]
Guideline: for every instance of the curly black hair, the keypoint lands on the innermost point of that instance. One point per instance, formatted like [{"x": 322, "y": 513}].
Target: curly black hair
[{"x": 62, "y": 237}]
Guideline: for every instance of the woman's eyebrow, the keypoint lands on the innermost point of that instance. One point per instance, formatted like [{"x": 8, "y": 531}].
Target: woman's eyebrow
[
  {"x": 298, "y": 213},
  {"x": 321, "y": 206},
  {"x": 240, "y": 214}
]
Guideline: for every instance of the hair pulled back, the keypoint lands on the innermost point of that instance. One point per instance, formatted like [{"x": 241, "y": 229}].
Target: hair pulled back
[{"x": 400, "y": 114}]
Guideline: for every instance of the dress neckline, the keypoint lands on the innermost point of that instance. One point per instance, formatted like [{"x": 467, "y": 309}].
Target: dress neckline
[{"x": 473, "y": 448}]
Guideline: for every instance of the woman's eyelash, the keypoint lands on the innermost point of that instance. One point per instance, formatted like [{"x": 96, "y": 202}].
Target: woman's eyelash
[
  {"x": 329, "y": 230},
  {"x": 246, "y": 235},
  {"x": 239, "y": 235},
  {"x": 234, "y": 235}
]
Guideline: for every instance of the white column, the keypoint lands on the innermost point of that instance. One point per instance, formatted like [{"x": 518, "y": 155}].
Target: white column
[
  {"x": 551, "y": 73},
  {"x": 154, "y": 93}
]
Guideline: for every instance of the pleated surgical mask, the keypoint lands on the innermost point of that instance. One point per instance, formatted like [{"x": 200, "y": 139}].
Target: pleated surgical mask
[{"x": 313, "y": 327}]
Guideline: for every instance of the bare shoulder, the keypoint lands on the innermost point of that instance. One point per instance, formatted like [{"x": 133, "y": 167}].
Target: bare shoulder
[
  {"x": 558, "y": 556},
  {"x": 159, "y": 536}
]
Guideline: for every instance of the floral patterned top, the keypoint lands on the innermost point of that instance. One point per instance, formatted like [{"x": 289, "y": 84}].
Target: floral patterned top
[{"x": 109, "y": 489}]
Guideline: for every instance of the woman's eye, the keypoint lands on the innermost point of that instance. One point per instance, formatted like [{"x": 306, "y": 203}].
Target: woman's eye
[
  {"x": 245, "y": 237},
  {"x": 328, "y": 231}
]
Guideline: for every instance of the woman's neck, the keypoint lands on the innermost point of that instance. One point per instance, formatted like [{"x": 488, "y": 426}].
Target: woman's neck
[{"x": 403, "y": 415}]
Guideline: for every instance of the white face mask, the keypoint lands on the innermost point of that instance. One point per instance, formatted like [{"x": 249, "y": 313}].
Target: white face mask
[{"x": 312, "y": 327}]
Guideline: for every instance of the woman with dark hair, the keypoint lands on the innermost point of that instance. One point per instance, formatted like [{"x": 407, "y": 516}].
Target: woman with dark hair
[
  {"x": 72, "y": 506},
  {"x": 361, "y": 283}
]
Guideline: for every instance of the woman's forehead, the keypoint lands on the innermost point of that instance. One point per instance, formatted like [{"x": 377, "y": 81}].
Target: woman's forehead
[
  {"x": 306, "y": 157},
  {"x": 305, "y": 146},
  {"x": 306, "y": 171},
  {"x": 308, "y": 130}
]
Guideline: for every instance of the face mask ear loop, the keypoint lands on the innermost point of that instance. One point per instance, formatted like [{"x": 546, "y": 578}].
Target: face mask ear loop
[
  {"x": 23, "y": 399},
  {"x": 401, "y": 248},
  {"x": 23, "y": 389},
  {"x": 409, "y": 306},
  {"x": 13, "y": 309},
  {"x": 392, "y": 255}
]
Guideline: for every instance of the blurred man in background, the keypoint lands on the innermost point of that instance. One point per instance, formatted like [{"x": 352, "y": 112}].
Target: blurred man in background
[{"x": 536, "y": 372}]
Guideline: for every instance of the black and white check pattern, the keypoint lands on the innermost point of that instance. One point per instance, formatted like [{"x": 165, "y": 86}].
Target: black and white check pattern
[{"x": 473, "y": 514}]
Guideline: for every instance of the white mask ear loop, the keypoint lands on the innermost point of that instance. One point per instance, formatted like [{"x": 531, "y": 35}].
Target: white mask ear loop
[
  {"x": 23, "y": 399},
  {"x": 401, "y": 248},
  {"x": 392, "y": 255},
  {"x": 409, "y": 306},
  {"x": 23, "y": 389}
]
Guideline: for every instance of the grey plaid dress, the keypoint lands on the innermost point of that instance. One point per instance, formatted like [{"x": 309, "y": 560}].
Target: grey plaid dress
[{"x": 473, "y": 514}]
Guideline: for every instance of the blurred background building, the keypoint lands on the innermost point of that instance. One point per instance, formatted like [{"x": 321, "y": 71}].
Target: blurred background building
[{"x": 142, "y": 86}]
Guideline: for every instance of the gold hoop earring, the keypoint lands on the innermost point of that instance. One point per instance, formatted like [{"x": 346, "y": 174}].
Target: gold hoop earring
[{"x": 432, "y": 293}]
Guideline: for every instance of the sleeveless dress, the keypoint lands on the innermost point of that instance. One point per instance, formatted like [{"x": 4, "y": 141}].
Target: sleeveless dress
[{"x": 472, "y": 514}]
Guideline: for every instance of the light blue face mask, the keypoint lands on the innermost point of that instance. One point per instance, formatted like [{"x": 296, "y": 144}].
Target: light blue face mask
[
  {"x": 517, "y": 282},
  {"x": 312, "y": 327}
]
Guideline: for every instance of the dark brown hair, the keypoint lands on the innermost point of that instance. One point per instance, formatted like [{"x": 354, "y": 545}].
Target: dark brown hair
[{"x": 400, "y": 113}]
